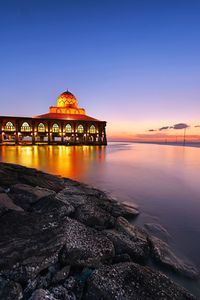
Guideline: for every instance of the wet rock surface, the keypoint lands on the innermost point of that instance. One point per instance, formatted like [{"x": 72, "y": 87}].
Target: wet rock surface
[
  {"x": 61, "y": 239},
  {"x": 162, "y": 253},
  {"x": 131, "y": 281}
]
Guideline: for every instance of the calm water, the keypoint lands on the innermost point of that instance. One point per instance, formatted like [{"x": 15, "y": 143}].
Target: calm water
[{"x": 163, "y": 180}]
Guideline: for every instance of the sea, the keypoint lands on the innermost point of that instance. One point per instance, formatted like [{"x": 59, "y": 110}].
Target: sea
[{"x": 162, "y": 180}]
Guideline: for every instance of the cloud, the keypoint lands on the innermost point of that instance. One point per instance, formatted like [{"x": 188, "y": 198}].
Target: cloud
[
  {"x": 164, "y": 128},
  {"x": 180, "y": 126},
  {"x": 151, "y": 130},
  {"x": 197, "y": 126}
]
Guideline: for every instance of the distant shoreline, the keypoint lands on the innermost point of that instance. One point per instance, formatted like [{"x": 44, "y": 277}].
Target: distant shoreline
[{"x": 189, "y": 144}]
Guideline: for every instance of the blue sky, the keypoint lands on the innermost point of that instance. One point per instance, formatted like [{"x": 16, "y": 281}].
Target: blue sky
[{"x": 135, "y": 64}]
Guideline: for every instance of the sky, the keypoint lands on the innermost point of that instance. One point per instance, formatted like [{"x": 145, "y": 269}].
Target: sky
[{"x": 133, "y": 63}]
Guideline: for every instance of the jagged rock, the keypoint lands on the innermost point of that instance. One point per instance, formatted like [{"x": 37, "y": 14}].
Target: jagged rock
[
  {"x": 94, "y": 216},
  {"x": 7, "y": 203},
  {"x": 158, "y": 230},
  {"x": 163, "y": 254},
  {"x": 82, "y": 189},
  {"x": 124, "y": 245},
  {"x": 61, "y": 274},
  {"x": 30, "y": 245},
  {"x": 85, "y": 246},
  {"x": 74, "y": 200},
  {"x": 129, "y": 281},
  {"x": 10, "y": 290},
  {"x": 53, "y": 206},
  {"x": 116, "y": 208},
  {"x": 129, "y": 239},
  {"x": 134, "y": 232},
  {"x": 25, "y": 195},
  {"x": 41, "y": 294},
  {"x": 11, "y": 174}
]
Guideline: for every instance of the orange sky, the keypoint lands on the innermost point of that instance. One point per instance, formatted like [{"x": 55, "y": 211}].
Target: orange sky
[{"x": 141, "y": 131}]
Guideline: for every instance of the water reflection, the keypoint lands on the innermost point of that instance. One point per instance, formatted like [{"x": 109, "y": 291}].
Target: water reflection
[{"x": 74, "y": 162}]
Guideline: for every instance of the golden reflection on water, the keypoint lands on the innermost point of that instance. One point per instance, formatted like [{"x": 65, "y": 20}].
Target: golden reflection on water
[{"x": 72, "y": 162}]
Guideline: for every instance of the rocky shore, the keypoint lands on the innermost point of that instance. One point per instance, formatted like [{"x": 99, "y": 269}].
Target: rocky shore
[{"x": 61, "y": 239}]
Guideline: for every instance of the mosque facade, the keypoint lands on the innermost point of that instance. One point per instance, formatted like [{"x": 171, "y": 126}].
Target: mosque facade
[{"x": 64, "y": 124}]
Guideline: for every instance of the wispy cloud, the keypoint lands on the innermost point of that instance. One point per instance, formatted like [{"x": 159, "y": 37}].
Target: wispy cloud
[
  {"x": 164, "y": 128},
  {"x": 151, "y": 130},
  {"x": 197, "y": 126}
]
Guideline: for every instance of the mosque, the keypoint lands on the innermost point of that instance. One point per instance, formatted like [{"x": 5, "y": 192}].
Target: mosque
[{"x": 64, "y": 124}]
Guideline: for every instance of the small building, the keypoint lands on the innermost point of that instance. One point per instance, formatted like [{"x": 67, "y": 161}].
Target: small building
[{"x": 64, "y": 124}]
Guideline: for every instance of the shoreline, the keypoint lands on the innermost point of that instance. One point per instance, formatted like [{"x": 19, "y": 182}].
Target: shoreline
[
  {"x": 193, "y": 145},
  {"x": 73, "y": 240}
]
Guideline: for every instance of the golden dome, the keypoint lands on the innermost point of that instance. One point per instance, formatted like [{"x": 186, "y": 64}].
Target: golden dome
[{"x": 67, "y": 99}]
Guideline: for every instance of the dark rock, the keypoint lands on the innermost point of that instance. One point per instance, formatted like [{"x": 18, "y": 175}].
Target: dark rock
[
  {"x": 7, "y": 203},
  {"x": 41, "y": 294},
  {"x": 11, "y": 174},
  {"x": 61, "y": 293},
  {"x": 70, "y": 283},
  {"x": 117, "y": 209},
  {"x": 129, "y": 281},
  {"x": 94, "y": 216},
  {"x": 82, "y": 189},
  {"x": 124, "y": 245},
  {"x": 2, "y": 190},
  {"x": 74, "y": 200},
  {"x": 129, "y": 239},
  {"x": 76, "y": 285},
  {"x": 121, "y": 258},
  {"x": 52, "y": 206},
  {"x": 134, "y": 232},
  {"x": 25, "y": 195},
  {"x": 10, "y": 290},
  {"x": 85, "y": 246},
  {"x": 61, "y": 275},
  {"x": 158, "y": 230},
  {"x": 163, "y": 254},
  {"x": 30, "y": 245}
]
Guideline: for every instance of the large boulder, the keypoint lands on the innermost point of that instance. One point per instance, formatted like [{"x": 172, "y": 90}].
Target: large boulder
[
  {"x": 25, "y": 195},
  {"x": 7, "y": 203},
  {"x": 165, "y": 256},
  {"x": 94, "y": 216},
  {"x": 85, "y": 247},
  {"x": 129, "y": 239},
  {"x": 11, "y": 174},
  {"x": 129, "y": 281},
  {"x": 29, "y": 243}
]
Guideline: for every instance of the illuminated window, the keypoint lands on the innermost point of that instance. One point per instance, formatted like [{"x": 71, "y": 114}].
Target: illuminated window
[
  {"x": 55, "y": 128},
  {"x": 9, "y": 126},
  {"x": 41, "y": 127},
  {"x": 80, "y": 129},
  {"x": 68, "y": 128},
  {"x": 25, "y": 127},
  {"x": 92, "y": 129}
]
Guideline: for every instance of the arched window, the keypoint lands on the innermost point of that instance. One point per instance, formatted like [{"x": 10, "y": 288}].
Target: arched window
[
  {"x": 9, "y": 126},
  {"x": 55, "y": 128},
  {"x": 92, "y": 129},
  {"x": 80, "y": 129},
  {"x": 41, "y": 127},
  {"x": 25, "y": 127},
  {"x": 68, "y": 128}
]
